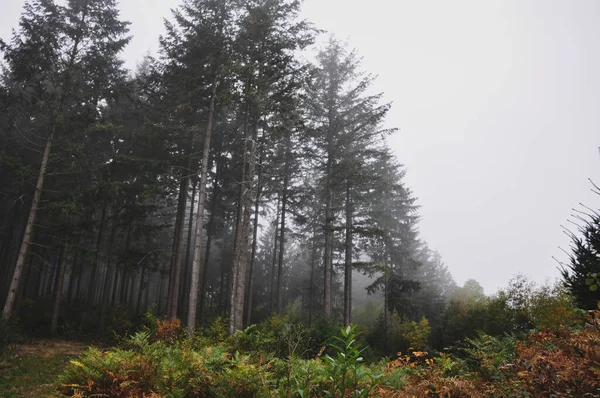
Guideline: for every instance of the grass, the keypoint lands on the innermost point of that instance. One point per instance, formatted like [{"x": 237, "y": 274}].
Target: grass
[{"x": 32, "y": 370}]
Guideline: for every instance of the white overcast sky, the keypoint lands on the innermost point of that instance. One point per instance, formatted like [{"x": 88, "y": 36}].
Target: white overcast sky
[{"x": 497, "y": 102}]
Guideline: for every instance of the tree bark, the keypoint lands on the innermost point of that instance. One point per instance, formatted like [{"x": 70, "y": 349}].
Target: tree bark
[
  {"x": 284, "y": 197},
  {"x": 175, "y": 272},
  {"x": 91, "y": 298},
  {"x": 188, "y": 253},
  {"x": 274, "y": 258},
  {"x": 311, "y": 286},
  {"x": 348, "y": 260},
  {"x": 108, "y": 280},
  {"x": 240, "y": 257},
  {"x": 328, "y": 252},
  {"x": 210, "y": 231},
  {"x": 193, "y": 298},
  {"x": 59, "y": 288},
  {"x": 254, "y": 242},
  {"x": 27, "y": 237}
]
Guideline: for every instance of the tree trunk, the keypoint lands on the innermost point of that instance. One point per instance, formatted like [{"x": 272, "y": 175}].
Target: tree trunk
[
  {"x": 311, "y": 286},
  {"x": 348, "y": 260},
  {"x": 328, "y": 252},
  {"x": 175, "y": 273},
  {"x": 274, "y": 258},
  {"x": 240, "y": 257},
  {"x": 91, "y": 298},
  {"x": 210, "y": 231},
  {"x": 24, "y": 251},
  {"x": 193, "y": 298},
  {"x": 59, "y": 288},
  {"x": 254, "y": 242},
  {"x": 109, "y": 279},
  {"x": 160, "y": 291},
  {"x": 72, "y": 276},
  {"x": 284, "y": 195},
  {"x": 186, "y": 270}
]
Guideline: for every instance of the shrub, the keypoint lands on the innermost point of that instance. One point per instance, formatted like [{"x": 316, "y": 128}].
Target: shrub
[
  {"x": 345, "y": 370},
  {"x": 147, "y": 368},
  {"x": 492, "y": 358},
  {"x": 417, "y": 334},
  {"x": 561, "y": 362}
]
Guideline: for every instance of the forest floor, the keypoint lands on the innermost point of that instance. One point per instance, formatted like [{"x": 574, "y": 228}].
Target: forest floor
[{"x": 32, "y": 369}]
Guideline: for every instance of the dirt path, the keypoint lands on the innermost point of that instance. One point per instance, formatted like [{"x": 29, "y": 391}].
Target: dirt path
[{"x": 33, "y": 369}]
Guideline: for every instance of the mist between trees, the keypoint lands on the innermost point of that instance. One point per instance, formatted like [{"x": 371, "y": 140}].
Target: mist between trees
[{"x": 226, "y": 176}]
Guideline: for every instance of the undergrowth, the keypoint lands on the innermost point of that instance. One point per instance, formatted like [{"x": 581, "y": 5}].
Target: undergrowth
[{"x": 279, "y": 359}]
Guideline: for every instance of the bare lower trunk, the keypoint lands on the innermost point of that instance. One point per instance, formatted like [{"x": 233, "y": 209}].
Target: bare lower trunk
[
  {"x": 195, "y": 278},
  {"x": 311, "y": 287},
  {"x": 93, "y": 275},
  {"x": 188, "y": 254},
  {"x": 328, "y": 252},
  {"x": 254, "y": 244},
  {"x": 140, "y": 289},
  {"x": 59, "y": 288},
  {"x": 281, "y": 248},
  {"x": 27, "y": 237},
  {"x": 348, "y": 261},
  {"x": 108, "y": 280},
  {"x": 210, "y": 231},
  {"x": 175, "y": 274},
  {"x": 284, "y": 198},
  {"x": 274, "y": 258},
  {"x": 240, "y": 259}
]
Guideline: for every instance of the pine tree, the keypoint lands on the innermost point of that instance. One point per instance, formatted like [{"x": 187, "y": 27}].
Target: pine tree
[
  {"x": 584, "y": 261},
  {"x": 63, "y": 62},
  {"x": 347, "y": 135}
]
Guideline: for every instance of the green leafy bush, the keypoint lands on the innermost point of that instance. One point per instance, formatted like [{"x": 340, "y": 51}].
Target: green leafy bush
[{"x": 345, "y": 370}]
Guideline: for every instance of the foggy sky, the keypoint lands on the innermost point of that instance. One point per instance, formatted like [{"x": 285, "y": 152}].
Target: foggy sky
[{"x": 497, "y": 104}]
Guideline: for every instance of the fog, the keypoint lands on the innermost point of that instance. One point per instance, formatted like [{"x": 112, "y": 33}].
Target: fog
[{"x": 496, "y": 102}]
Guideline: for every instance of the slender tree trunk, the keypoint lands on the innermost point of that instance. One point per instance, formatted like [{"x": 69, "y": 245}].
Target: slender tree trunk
[
  {"x": 210, "y": 231},
  {"x": 115, "y": 288},
  {"x": 237, "y": 240},
  {"x": 59, "y": 288},
  {"x": 348, "y": 260},
  {"x": 385, "y": 298},
  {"x": 27, "y": 237},
  {"x": 175, "y": 273},
  {"x": 109, "y": 279},
  {"x": 51, "y": 279},
  {"x": 195, "y": 277},
  {"x": 79, "y": 276},
  {"x": 328, "y": 252},
  {"x": 311, "y": 287},
  {"x": 274, "y": 258},
  {"x": 91, "y": 298},
  {"x": 185, "y": 290},
  {"x": 284, "y": 195},
  {"x": 160, "y": 291},
  {"x": 240, "y": 257},
  {"x": 72, "y": 276},
  {"x": 125, "y": 275},
  {"x": 254, "y": 242},
  {"x": 147, "y": 295},
  {"x": 131, "y": 291}
]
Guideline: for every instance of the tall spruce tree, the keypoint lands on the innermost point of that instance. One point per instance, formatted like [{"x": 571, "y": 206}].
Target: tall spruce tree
[{"x": 63, "y": 62}]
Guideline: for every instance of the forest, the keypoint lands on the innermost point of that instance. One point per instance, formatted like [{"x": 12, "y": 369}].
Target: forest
[{"x": 229, "y": 220}]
